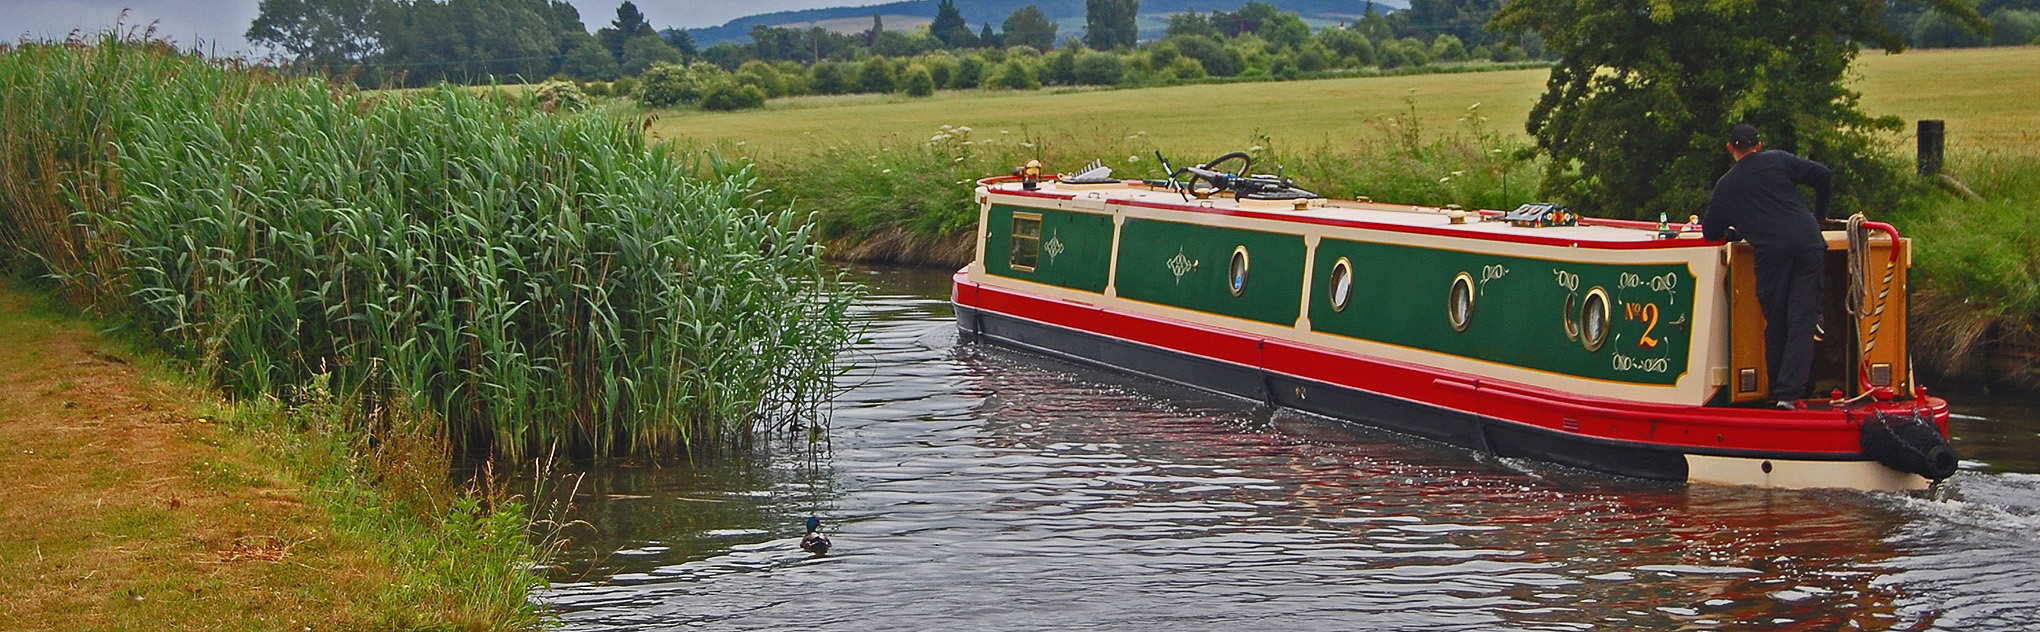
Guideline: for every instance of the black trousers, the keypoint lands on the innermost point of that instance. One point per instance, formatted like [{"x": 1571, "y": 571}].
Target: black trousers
[{"x": 1789, "y": 291}]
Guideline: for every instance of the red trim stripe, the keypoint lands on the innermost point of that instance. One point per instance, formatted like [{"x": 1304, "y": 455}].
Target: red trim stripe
[{"x": 1816, "y": 433}]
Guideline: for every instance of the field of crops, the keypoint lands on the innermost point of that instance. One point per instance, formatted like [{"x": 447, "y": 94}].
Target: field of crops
[{"x": 1980, "y": 92}]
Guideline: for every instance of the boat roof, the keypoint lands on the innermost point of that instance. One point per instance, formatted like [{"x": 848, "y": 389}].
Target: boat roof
[{"x": 1362, "y": 213}]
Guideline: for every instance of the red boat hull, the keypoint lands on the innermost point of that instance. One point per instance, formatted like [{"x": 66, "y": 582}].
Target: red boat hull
[{"x": 1646, "y": 440}]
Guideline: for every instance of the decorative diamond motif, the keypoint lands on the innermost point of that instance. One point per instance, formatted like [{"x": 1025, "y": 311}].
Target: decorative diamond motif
[
  {"x": 1054, "y": 246},
  {"x": 1180, "y": 265}
]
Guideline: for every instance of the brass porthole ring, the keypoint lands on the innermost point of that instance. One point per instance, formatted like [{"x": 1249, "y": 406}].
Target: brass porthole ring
[
  {"x": 1594, "y": 319},
  {"x": 1459, "y": 303},
  {"x": 1237, "y": 277},
  {"x": 1342, "y": 284}
]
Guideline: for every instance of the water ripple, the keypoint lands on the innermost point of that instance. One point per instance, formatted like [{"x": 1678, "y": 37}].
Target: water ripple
[{"x": 971, "y": 487}]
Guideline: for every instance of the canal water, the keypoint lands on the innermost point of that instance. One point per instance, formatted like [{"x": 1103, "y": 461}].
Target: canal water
[{"x": 968, "y": 487}]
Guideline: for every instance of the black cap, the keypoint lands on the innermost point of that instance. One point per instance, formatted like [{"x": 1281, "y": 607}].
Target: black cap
[{"x": 1744, "y": 136}]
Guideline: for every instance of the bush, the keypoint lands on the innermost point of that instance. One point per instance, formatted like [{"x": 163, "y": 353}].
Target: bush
[
  {"x": 828, "y": 78},
  {"x": 623, "y": 87},
  {"x": 728, "y": 95},
  {"x": 1062, "y": 67},
  {"x": 556, "y": 95},
  {"x": 876, "y": 75},
  {"x": 1211, "y": 56},
  {"x": 764, "y": 76},
  {"x": 970, "y": 72},
  {"x": 918, "y": 82},
  {"x": 665, "y": 86},
  {"x": 1448, "y": 48},
  {"x": 1100, "y": 68},
  {"x": 1015, "y": 76},
  {"x": 1348, "y": 43},
  {"x": 1313, "y": 57},
  {"x": 1186, "y": 68}
]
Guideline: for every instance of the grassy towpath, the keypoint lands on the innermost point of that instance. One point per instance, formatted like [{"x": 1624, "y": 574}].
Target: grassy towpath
[{"x": 125, "y": 508}]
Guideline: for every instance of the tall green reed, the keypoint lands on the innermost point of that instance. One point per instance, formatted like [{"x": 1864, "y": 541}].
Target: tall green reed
[{"x": 529, "y": 279}]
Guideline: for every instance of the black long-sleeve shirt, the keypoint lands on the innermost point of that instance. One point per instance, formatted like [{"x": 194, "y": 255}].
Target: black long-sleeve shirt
[{"x": 1759, "y": 197}]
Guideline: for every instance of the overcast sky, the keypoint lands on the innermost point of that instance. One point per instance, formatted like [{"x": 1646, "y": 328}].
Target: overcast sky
[{"x": 223, "y": 21}]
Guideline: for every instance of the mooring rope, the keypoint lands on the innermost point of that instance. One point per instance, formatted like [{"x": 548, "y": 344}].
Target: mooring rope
[{"x": 1861, "y": 305}]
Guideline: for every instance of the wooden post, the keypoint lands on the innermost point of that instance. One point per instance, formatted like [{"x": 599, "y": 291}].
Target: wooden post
[{"x": 1932, "y": 136}]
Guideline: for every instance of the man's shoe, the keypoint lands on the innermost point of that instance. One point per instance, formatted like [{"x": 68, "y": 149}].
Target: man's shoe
[{"x": 1785, "y": 405}]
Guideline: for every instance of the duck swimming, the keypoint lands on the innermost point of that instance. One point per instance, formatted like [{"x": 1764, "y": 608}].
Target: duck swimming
[{"x": 814, "y": 542}]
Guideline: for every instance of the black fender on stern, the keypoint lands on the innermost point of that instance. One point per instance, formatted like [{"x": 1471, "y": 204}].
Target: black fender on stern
[{"x": 1909, "y": 442}]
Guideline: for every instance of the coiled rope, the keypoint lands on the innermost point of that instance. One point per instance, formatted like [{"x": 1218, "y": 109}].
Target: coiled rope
[{"x": 1861, "y": 305}]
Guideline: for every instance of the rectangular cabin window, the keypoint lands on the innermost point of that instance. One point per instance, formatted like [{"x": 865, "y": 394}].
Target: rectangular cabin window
[{"x": 1026, "y": 241}]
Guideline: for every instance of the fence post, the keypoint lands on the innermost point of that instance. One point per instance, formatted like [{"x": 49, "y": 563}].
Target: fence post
[{"x": 1932, "y": 136}]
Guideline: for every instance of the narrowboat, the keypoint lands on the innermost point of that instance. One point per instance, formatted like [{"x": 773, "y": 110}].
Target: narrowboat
[{"x": 1632, "y": 348}]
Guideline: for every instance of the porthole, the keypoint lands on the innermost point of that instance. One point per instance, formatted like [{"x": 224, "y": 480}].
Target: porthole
[
  {"x": 1594, "y": 319},
  {"x": 1342, "y": 284},
  {"x": 1459, "y": 304},
  {"x": 1572, "y": 325},
  {"x": 1236, "y": 276}
]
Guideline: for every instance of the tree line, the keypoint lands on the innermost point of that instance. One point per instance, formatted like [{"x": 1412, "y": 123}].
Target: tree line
[{"x": 407, "y": 43}]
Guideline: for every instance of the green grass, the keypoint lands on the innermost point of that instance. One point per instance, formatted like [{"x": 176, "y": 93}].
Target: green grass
[{"x": 156, "y": 501}]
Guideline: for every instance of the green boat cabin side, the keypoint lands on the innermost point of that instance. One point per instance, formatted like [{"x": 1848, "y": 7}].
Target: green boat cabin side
[{"x": 1629, "y": 323}]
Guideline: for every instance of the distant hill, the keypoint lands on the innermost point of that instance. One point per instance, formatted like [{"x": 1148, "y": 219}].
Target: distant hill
[{"x": 1069, "y": 13}]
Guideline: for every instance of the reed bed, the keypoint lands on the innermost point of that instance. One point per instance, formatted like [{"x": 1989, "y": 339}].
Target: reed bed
[{"x": 532, "y": 280}]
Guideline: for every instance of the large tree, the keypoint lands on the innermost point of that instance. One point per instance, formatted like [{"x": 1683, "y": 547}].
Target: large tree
[
  {"x": 330, "y": 35},
  {"x": 1109, "y": 24},
  {"x": 1464, "y": 19},
  {"x": 476, "y": 40},
  {"x": 1029, "y": 26},
  {"x": 950, "y": 28},
  {"x": 629, "y": 23},
  {"x": 1636, "y": 112}
]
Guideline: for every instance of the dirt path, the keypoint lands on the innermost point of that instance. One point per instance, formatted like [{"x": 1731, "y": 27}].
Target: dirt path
[{"x": 122, "y": 507}]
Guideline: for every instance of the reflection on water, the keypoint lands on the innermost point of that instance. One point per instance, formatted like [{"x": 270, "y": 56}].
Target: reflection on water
[{"x": 975, "y": 487}]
